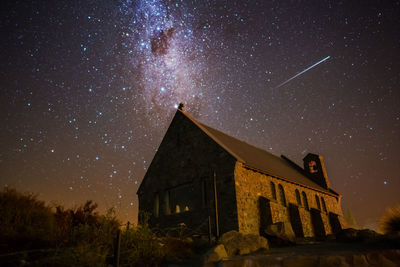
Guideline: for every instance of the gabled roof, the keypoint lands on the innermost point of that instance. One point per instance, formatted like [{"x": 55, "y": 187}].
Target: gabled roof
[{"x": 260, "y": 160}]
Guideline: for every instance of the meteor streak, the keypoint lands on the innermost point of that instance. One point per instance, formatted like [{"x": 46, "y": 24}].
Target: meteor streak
[{"x": 300, "y": 73}]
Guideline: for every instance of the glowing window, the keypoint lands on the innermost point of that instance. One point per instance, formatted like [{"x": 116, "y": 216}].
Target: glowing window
[
  {"x": 312, "y": 166},
  {"x": 181, "y": 197}
]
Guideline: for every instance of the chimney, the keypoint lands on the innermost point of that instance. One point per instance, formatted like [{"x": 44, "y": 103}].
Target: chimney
[
  {"x": 181, "y": 107},
  {"x": 315, "y": 168}
]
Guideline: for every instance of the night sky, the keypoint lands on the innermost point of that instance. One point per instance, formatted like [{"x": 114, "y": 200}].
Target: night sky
[{"x": 88, "y": 89}]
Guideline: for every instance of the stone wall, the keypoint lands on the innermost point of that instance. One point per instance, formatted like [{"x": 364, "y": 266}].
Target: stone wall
[
  {"x": 251, "y": 185},
  {"x": 188, "y": 157},
  {"x": 306, "y": 222}
]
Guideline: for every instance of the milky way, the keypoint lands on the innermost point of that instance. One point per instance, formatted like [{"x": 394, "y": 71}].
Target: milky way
[{"x": 167, "y": 56}]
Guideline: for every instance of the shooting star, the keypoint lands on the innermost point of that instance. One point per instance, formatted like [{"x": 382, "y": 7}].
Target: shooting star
[{"x": 300, "y": 73}]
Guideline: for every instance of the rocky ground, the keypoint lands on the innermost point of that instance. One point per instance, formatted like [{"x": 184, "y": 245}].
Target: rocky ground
[
  {"x": 348, "y": 248},
  {"x": 321, "y": 254}
]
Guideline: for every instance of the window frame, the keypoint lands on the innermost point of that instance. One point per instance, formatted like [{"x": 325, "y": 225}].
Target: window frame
[
  {"x": 305, "y": 200},
  {"x": 318, "y": 202},
  {"x": 298, "y": 197},
  {"x": 273, "y": 190},
  {"x": 282, "y": 195}
]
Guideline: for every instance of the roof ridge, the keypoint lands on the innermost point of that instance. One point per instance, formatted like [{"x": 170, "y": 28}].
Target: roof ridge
[
  {"x": 202, "y": 125},
  {"x": 240, "y": 140},
  {"x": 219, "y": 142}
]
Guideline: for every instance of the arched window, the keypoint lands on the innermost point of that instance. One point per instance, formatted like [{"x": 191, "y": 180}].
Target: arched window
[
  {"x": 298, "y": 197},
  {"x": 282, "y": 195},
  {"x": 156, "y": 204},
  {"x": 177, "y": 209},
  {"x": 167, "y": 207},
  {"x": 305, "y": 201},
  {"x": 273, "y": 190},
  {"x": 323, "y": 204},
  {"x": 317, "y": 200}
]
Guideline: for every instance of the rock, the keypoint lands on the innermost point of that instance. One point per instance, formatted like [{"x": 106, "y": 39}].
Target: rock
[
  {"x": 301, "y": 261},
  {"x": 331, "y": 237},
  {"x": 237, "y": 243},
  {"x": 392, "y": 238},
  {"x": 281, "y": 233},
  {"x": 333, "y": 261},
  {"x": 367, "y": 235},
  {"x": 347, "y": 235},
  {"x": 393, "y": 255},
  {"x": 215, "y": 254},
  {"x": 377, "y": 259},
  {"x": 353, "y": 235},
  {"x": 358, "y": 260}
]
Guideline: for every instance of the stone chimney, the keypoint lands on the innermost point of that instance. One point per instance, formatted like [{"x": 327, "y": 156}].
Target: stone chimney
[{"x": 315, "y": 168}]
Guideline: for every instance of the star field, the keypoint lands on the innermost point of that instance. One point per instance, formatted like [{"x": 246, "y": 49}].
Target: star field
[{"x": 88, "y": 89}]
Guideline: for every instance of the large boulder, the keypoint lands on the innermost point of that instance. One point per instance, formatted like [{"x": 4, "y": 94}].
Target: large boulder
[
  {"x": 347, "y": 235},
  {"x": 353, "y": 235},
  {"x": 367, "y": 235},
  {"x": 215, "y": 254},
  {"x": 378, "y": 259},
  {"x": 237, "y": 243},
  {"x": 280, "y": 233}
]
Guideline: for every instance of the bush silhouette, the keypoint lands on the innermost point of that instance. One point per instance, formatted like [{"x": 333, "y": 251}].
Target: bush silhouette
[
  {"x": 45, "y": 236},
  {"x": 25, "y": 221},
  {"x": 390, "y": 222}
]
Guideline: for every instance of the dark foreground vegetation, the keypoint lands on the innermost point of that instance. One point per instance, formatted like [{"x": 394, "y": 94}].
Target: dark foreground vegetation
[
  {"x": 390, "y": 222},
  {"x": 35, "y": 234}
]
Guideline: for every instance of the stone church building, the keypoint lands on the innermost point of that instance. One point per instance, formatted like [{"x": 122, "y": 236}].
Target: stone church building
[{"x": 205, "y": 178}]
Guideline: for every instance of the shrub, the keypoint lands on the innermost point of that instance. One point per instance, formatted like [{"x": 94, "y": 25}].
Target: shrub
[
  {"x": 140, "y": 246},
  {"x": 79, "y": 236},
  {"x": 87, "y": 235},
  {"x": 84, "y": 223},
  {"x": 177, "y": 249},
  {"x": 25, "y": 221},
  {"x": 390, "y": 222}
]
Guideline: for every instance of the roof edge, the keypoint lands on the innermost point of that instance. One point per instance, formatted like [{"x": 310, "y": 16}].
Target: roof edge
[{"x": 212, "y": 136}]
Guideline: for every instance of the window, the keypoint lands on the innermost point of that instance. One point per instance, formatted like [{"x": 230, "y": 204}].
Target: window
[
  {"x": 312, "y": 166},
  {"x": 282, "y": 195},
  {"x": 323, "y": 204},
  {"x": 177, "y": 209},
  {"x": 318, "y": 203},
  {"x": 156, "y": 204},
  {"x": 298, "y": 197},
  {"x": 167, "y": 207},
  {"x": 305, "y": 201},
  {"x": 181, "y": 198},
  {"x": 273, "y": 190}
]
